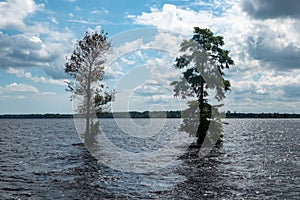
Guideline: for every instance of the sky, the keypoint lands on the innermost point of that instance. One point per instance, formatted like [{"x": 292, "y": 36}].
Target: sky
[{"x": 36, "y": 36}]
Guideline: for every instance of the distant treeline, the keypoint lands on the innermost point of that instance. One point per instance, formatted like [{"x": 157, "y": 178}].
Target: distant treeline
[
  {"x": 35, "y": 116},
  {"x": 133, "y": 114},
  {"x": 147, "y": 114},
  {"x": 261, "y": 115}
]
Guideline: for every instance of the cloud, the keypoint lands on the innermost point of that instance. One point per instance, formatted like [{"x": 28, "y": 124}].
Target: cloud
[
  {"x": 30, "y": 51},
  {"x": 232, "y": 24},
  {"x": 276, "y": 44},
  {"x": 35, "y": 44},
  {"x": 150, "y": 88},
  {"x": 167, "y": 41},
  {"x": 22, "y": 74},
  {"x": 15, "y": 87},
  {"x": 123, "y": 47},
  {"x": 13, "y": 13},
  {"x": 268, "y": 46},
  {"x": 22, "y": 50},
  {"x": 118, "y": 60},
  {"x": 54, "y": 20},
  {"x": 152, "y": 48},
  {"x": 161, "y": 99},
  {"x": 291, "y": 93},
  {"x": 82, "y": 21},
  {"x": 47, "y": 93},
  {"x": 10, "y": 97},
  {"x": 171, "y": 17},
  {"x": 271, "y": 9},
  {"x": 152, "y": 92},
  {"x": 100, "y": 11},
  {"x": 269, "y": 88},
  {"x": 20, "y": 91}
]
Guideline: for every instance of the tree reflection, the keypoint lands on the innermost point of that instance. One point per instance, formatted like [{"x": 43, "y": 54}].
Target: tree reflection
[{"x": 211, "y": 122}]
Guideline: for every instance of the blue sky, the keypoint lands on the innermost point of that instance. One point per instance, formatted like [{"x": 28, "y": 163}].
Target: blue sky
[{"x": 35, "y": 37}]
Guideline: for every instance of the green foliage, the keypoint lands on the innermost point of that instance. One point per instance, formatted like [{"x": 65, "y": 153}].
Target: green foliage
[{"x": 202, "y": 62}]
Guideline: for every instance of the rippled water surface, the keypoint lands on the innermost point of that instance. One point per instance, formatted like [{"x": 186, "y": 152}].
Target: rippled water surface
[{"x": 259, "y": 159}]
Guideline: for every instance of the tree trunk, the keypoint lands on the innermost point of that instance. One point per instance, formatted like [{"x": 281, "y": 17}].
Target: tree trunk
[
  {"x": 87, "y": 135},
  {"x": 201, "y": 132},
  {"x": 87, "y": 138}
]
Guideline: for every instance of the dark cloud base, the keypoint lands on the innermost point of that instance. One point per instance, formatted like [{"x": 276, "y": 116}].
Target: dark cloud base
[{"x": 264, "y": 9}]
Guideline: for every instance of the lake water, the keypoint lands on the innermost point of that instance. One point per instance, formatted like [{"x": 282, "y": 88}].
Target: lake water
[{"x": 259, "y": 159}]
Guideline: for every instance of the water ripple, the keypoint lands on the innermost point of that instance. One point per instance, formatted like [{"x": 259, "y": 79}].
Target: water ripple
[{"x": 259, "y": 159}]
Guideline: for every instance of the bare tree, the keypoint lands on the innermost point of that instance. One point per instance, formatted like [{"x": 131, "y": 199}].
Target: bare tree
[{"x": 86, "y": 66}]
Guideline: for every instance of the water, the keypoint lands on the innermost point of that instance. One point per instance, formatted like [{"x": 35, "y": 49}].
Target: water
[{"x": 259, "y": 159}]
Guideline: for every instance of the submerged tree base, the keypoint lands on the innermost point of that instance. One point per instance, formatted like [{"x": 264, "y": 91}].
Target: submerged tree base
[
  {"x": 214, "y": 142},
  {"x": 90, "y": 139},
  {"x": 196, "y": 145}
]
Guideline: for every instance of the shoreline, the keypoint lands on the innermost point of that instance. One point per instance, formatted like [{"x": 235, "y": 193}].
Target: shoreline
[{"x": 147, "y": 114}]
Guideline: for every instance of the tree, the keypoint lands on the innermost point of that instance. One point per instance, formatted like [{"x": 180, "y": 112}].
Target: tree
[
  {"x": 202, "y": 63},
  {"x": 86, "y": 66}
]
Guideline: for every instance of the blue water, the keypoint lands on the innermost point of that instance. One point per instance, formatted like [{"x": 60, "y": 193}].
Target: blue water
[{"x": 259, "y": 159}]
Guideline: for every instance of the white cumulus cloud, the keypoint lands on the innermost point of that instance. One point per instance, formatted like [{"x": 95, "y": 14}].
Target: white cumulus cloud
[
  {"x": 13, "y": 13},
  {"x": 22, "y": 74},
  {"x": 268, "y": 47}
]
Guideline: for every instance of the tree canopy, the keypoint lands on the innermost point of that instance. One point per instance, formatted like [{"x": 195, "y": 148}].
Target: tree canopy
[
  {"x": 202, "y": 62},
  {"x": 86, "y": 66}
]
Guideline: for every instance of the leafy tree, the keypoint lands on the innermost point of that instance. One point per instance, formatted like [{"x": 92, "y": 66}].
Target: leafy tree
[
  {"x": 86, "y": 66},
  {"x": 202, "y": 62}
]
